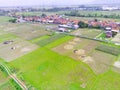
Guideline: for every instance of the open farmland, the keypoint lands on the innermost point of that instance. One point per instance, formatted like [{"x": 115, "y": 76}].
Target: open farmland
[
  {"x": 5, "y": 83},
  {"x": 116, "y": 39},
  {"x": 4, "y": 19},
  {"x": 58, "y": 71},
  {"x": 14, "y": 48},
  {"x": 3, "y": 77},
  {"x": 57, "y": 61},
  {"x": 92, "y": 33},
  {"x": 7, "y": 86},
  {"x": 108, "y": 81},
  {"x": 116, "y": 65},
  {"x": 49, "y": 40},
  {"x": 6, "y": 36},
  {"x": 84, "y": 50},
  {"x": 96, "y": 14},
  {"x": 109, "y": 49},
  {"x": 69, "y": 47},
  {"x": 54, "y": 71},
  {"x": 101, "y": 64},
  {"x": 25, "y": 31}
]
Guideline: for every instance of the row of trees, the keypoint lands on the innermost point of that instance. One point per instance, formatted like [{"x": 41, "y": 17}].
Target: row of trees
[
  {"x": 77, "y": 14},
  {"x": 82, "y": 25},
  {"x": 13, "y": 20}
]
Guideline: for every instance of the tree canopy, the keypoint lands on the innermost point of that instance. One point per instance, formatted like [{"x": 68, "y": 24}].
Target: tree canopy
[{"x": 82, "y": 25}]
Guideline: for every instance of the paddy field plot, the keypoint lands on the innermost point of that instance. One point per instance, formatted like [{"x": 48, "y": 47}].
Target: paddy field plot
[
  {"x": 26, "y": 31},
  {"x": 85, "y": 50},
  {"x": 45, "y": 69},
  {"x": 6, "y": 36},
  {"x": 14, "y": 48},
  {"x": 99, "y": 62},
  {"x": 50, "y": 39},
  {"x": 7, "y": 86},
  {"x": 3, "y": 77},
  {"x": 116, "y": 65},
  {"x": 92, "y": 33},
  {"x": 67, "y": 63},
  {"x": 2, "y": 32},
  {"x": 116, "y": 39},
  {"x": 107, "y": 81},
  {"x": 5, "y": 83},
  {"x": 69, "y": 48}
]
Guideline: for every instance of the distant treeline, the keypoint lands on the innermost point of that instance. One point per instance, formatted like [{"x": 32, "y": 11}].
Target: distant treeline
[
  {"x": 100, "y": 15},
  {"x": 56, "y": 9}
]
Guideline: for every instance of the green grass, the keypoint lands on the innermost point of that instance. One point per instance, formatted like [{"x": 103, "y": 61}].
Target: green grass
[
  {"x": 35, "y": 40},
  {"x": 49, "y": 40},
  {"x": 102, "y": 36},
  {"x": 5, "y": 37},
  {"x": 2, "y": 76},
  {"x": 4, "y": 19},
  {"x": 109, "y": 49},
  {"x": 7, "y": 86},
  {"x": 59, "y": 41},
  {"x": 98, "y": 13},
  {"x": 47, "y": 69},
  {"x": 108, "y": 81},
  {"x": 5, "y": 83}
]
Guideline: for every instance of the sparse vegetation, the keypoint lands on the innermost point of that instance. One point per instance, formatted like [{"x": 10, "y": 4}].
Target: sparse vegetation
[
  {"x": 109, "y": 49},
  {"x": 95, "y": 14},
  {"x": 50, "y": 39}
]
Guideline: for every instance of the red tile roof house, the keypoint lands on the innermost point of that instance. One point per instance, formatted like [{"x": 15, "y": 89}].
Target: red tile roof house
[{"x": 56, "y": 19}]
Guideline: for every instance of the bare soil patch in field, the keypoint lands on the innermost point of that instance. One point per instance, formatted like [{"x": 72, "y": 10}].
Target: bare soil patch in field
[
  {"x": 77, "y": 48},
  {"x": 100, "y": 62},
  {"x": 116, "y": 66},
  {"x": 116, "y": 38},
  {"x": 90, "y": 46},
  {"x": 68, "y": 46},
  {"x": 10, "y": 50},
  {"x": 87, "y": 32},
  {"x": 26, "y": 31}
]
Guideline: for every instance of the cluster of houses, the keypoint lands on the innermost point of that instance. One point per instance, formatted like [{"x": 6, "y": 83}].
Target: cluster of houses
[
  {"x": 64, "y": 24},
  {"x": 110, "y": 27},
  {"x": 52, "y": 19}
]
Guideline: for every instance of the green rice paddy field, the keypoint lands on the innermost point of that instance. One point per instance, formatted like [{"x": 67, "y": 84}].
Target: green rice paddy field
[
  {"x": 45, "y": 69},
  {"x": 5, "y": 81}
]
